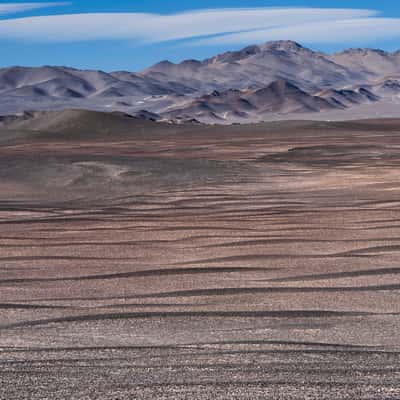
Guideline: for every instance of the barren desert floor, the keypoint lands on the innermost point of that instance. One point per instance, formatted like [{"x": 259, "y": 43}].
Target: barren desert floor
[{"x": 201, "y": 262}]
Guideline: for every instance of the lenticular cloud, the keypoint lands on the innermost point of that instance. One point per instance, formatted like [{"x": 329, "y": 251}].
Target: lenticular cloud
[
  {"x": 12, "y": 8},
  {"x": 206, "y": 26}
]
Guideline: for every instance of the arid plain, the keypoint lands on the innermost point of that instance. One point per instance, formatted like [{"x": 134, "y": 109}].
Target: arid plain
[{"x": 142, "y": 260}]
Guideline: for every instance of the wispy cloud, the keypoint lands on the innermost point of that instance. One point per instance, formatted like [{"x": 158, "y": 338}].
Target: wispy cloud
[
  {"x": 358, "y": 30},
  {"x": 204, "y": 27},
  {"x": 13, "y": 8},
  {"x": 156, "y": 28}
]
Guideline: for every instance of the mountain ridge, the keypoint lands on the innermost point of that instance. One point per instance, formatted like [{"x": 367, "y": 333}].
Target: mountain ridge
[{"x": 168, "y": 86}]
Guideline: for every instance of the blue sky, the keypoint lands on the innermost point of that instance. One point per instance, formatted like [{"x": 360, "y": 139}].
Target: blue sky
[{"x": 133, "y": 34}]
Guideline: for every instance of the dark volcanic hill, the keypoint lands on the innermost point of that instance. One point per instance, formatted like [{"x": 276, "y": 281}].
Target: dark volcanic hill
[
  {"x": 356, "y": 76},
  {"x": 77, "y": 124}
]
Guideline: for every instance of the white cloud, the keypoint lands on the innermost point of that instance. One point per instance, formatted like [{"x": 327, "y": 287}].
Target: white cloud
[
  {"x": 12, "y": 8},
  {"x": 340, "y": 31},
  {"x": 148, "y": 28}
]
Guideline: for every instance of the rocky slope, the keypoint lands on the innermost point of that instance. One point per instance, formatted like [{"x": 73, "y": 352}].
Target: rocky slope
[{"x": 247, "y": 82}]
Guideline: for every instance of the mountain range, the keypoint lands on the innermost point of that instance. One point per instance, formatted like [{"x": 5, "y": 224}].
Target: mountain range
[{"x": 276, "y": 80}]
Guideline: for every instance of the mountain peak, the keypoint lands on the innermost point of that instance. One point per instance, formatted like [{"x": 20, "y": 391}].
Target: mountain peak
[
  {"x": 190, "y": 62},
  {"x": 163, "y": 64},
  {"x": 234, "y": 56},
  {"x": 363, "y": 52},
  {"x": 284, "y": 45},
  {"x": 287, "y": 46}
]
